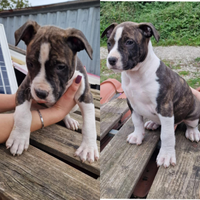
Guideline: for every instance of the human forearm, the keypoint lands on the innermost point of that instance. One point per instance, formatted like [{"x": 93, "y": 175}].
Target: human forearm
[
  {"x": 50, "y": 116},
  {"x": 7, "y": 102}
]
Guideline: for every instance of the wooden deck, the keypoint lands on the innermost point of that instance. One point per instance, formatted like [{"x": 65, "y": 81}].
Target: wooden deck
[
  {"x": 123, "y": 165},
  {"x": 48, "y": 170}
]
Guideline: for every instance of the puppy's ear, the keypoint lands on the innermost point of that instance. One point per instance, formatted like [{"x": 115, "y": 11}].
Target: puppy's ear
[
  {"x": 77, "y": 41},
  {"x": 26, "y": 32},
  {"x": 109, "y": 30},
  {"x": 149, "y": 30}
]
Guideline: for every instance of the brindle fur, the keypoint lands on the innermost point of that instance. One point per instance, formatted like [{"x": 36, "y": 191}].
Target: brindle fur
[
  {"x": 136, "y": 53},
  {"x": 23, "y": 92},
  {"x": 175, "y": 96},
  {"x": 64, "y": 45},
  {"x": 129, "y": 105}
]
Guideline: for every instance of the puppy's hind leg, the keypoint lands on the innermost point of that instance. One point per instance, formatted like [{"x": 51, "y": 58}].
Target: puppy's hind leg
[
  {"x": 71, "y": 123},
  {"x": 192, "y": 132},
  {"x": 150, "y": 125}
]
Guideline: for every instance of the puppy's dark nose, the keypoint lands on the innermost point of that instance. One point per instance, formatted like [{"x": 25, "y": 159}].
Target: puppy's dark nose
[
  {"x": 42, "y": 94},
  {"x": 112, "y": 60}
]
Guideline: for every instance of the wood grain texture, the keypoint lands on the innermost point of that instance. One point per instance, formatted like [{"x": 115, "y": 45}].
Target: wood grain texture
[
  {"x": 97, "y": 104},
  {"x": 36, "y": 175},
  {"x": 183, "y": 180},
  {"x": 122, "y": 163},
  {"x": 111, "y": 113},
  {"x": 95, "y": 94},
  {"x": 62, "y": 143},
  {"x": 79, "y": 118}
]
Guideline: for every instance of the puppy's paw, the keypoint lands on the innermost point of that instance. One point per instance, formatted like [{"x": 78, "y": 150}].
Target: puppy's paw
[
  {"x": 166, "y": 157},
  {"x": 135, "y": 138},
  {"x": 87, "y": 152},
  {"x": 18, "y": 142},
  {"x": 192, "y": 134},
  {"x": 71, "y": 123},
  {"x": 150, "y": 125}
]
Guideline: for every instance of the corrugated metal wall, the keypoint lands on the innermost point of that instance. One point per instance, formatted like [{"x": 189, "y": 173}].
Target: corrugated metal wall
[{"x": 84, "y": 16}]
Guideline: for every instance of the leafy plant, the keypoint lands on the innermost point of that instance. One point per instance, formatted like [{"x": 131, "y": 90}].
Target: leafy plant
[{"x": 177, "y": 22}]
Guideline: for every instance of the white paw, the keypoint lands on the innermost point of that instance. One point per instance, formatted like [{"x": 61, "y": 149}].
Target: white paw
[
  {"x": 135, "y": 138},
  {"x": 87, "y": 152},
  {"x": 18, "y": 142},
  {"x": 192, "y": 134},
  {"x": 150, "y": 125},
  {"x": 166, "y": 157},
  {"x": 71, "y": 123}
]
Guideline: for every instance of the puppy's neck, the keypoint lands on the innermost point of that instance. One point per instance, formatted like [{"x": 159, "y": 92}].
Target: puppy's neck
[{"x": 149, "y": 65}]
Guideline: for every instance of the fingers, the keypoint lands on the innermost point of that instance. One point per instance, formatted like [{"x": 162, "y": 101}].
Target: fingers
[
  {"x": 74, "y": 87},
  {"x": 196, "y": 93},
  {"x": 68, "y": 97}
]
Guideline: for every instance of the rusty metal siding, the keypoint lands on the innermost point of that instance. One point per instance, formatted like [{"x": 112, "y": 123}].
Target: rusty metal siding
[{"x": 84, "y": 16}]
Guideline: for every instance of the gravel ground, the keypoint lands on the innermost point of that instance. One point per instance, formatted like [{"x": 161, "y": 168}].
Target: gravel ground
[{"x": 181, "y": 56}]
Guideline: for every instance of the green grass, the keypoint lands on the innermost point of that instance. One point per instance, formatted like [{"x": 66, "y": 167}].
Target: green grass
[
  {"x": 177, "y": 22},
  {"x": 197, "y": 59},
  {"x": 183, "y": 73},
  {"x": 194, "y": 83}
]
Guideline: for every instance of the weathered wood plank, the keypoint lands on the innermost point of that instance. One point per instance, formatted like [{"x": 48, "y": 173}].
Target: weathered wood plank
[
  {"x": 94, "y": 91},
  {"x": 62, "y": 143},
  {"x": 36, "y": 175},
  {"x": 183, "y": 180},
  {"x": 122, "y": 163},
  {"x": 97, "y": 104},
  {"x": 79, "y": 118},
  {"x": 111, "y": 113}
]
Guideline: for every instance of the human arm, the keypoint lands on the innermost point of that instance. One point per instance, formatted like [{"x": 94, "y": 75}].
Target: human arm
[{"x": 60, "y": 109}]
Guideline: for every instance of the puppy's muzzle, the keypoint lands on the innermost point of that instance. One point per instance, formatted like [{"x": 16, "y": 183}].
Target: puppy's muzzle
[
  {"x": 112, "y": 61},
  {"x": 42, "y": 94}
]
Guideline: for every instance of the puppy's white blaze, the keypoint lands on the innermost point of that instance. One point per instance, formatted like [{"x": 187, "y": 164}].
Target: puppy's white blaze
[
  {"x": 40, "y": 82},
  {"x": 44, "y": 53},
  {"x": 114, "y": 51}
]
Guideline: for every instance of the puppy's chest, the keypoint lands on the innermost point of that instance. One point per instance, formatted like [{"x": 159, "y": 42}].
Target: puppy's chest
[{"x": 142, "y": 96}]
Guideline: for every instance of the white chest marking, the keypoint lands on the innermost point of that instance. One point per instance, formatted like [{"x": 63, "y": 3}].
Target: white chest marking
[
  {"x": 114, "y": 52},
  {"x": 141, "y": 86}
]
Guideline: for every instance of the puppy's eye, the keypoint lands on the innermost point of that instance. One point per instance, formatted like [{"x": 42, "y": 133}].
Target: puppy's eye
[
  {"x": 30, "y": 64},
  {"x": 129, "y": 42},
  {"x": 60, "y": 67},
  {"x": 109, "y": 44}
]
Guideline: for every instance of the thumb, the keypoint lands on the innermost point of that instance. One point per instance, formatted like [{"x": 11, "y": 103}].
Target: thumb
[{"x": 71, "y": 91}]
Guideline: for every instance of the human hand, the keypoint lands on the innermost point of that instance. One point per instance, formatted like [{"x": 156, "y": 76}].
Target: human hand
[
  {"x": 196, "y": 93},
  {"x": 67, "y": 101}
]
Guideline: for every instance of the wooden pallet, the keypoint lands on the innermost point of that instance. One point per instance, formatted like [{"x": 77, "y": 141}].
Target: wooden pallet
[
  {"x": 49, "y": 170},
  {"x": 123, "y": 164}
]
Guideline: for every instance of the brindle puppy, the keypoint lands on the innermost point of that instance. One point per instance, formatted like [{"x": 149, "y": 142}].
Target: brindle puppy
[{"x": 153, "y": 90}]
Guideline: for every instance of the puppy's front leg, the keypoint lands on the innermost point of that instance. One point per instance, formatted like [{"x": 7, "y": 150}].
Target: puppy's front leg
[
  {"x": 19, "y": 136},
  {"x": 88, "y": 149},
  {"x": 167, "y": 153},
  {"x": 138, "y": 134},
  {"x": 18, "y": 140}
]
